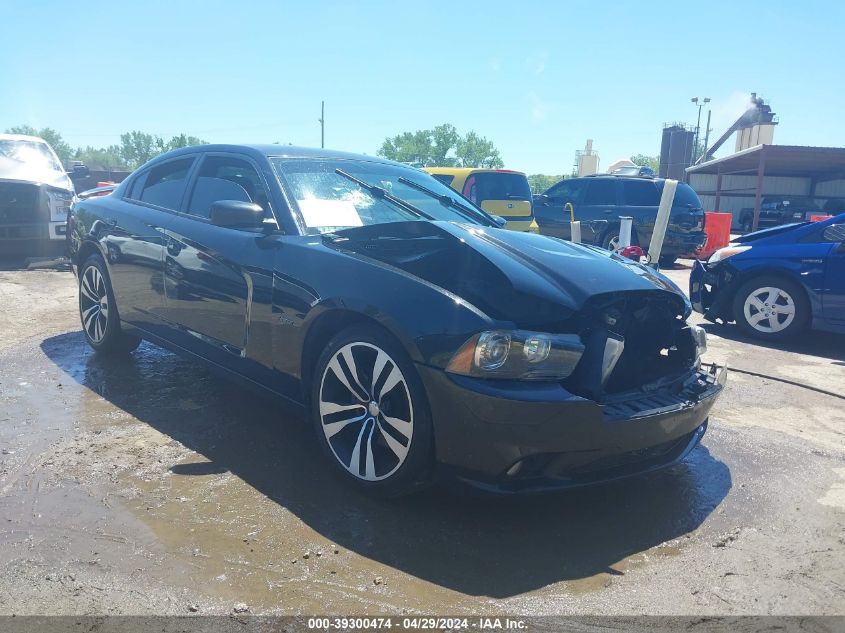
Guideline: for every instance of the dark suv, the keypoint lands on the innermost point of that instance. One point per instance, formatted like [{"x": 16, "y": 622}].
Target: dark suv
[
  {"x": 598, "y": 202},
  {"x": 780, "y": 210}
]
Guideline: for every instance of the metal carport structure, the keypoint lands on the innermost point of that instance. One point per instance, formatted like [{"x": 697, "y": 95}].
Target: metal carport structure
[{"x": 804, "y": 167}]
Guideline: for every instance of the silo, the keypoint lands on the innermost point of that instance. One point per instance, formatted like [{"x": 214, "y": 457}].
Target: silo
[
  {"x": 664, "y": 150},
  {"x": 681, "y": 142}
]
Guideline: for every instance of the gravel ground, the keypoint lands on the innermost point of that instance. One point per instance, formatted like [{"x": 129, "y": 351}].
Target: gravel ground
[{"x": 149, "y": 486}]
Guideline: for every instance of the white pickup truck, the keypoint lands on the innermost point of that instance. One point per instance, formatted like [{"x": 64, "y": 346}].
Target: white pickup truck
[{"x": 35, "y": 196}]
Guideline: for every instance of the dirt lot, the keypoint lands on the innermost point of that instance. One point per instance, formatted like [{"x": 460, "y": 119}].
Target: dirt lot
[{"x": 150, "y": 486}]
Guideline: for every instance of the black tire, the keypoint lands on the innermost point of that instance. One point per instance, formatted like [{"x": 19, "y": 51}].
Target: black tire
[
  {"x": 389, "y": 463},
  {"x": 667, "y": 261},
  {"x": 98, "y": 310},
  {"x": 775, "y": 324},
  {"x": 611, "y": 235},
  {"x": 746, "y": 225}
]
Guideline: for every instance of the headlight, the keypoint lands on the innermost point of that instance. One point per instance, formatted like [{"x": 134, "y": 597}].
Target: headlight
[
  {"x": 728, "y": 251},
  {"x": 60, "y": 201},
  {"x": 518, "y": 355}
]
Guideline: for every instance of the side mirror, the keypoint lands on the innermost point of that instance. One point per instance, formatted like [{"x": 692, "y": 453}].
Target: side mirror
[
  {"x": 236, "y": 214},
  {"x": 542, "y": 199}
]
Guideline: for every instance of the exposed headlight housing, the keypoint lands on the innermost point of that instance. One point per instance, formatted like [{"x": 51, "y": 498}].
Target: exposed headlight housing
[
  {"x": 699, "y": 336},
  {"x": 729, "y": 251},
  {"x": 60, "y": 201},
  {"x": 518, "y": 355}
]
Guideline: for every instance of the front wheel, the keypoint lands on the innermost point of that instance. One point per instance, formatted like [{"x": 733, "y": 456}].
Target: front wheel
[
  {"x": 98, "y": 311},
  {"x": 771, "y": 308},
  {"x": 370, "y": 413}
]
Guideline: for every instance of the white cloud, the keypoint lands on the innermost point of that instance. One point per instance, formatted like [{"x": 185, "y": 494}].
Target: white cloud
[
  {"x": 538, "y": 107},
  {"x": 537, "y": 63}
]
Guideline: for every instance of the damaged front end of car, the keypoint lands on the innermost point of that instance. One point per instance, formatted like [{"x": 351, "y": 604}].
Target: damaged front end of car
[{"x": 591, "y": 372}]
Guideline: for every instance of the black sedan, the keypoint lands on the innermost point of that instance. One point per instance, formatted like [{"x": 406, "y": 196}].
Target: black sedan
[{"x": 420, "y": 337}]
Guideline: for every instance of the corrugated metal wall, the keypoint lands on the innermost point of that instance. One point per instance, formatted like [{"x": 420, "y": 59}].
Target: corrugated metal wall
[{"x": 705, "y": 186}]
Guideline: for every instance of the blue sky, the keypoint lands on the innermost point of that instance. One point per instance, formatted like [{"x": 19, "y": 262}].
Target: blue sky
[{"x": 537, "y": 78}]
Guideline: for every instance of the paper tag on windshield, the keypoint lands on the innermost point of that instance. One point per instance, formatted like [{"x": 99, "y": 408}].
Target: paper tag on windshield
[{"x": 318, "y": 213}]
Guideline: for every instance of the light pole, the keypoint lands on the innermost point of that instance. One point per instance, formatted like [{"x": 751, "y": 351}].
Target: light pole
[{"x": 700, "y": 104}]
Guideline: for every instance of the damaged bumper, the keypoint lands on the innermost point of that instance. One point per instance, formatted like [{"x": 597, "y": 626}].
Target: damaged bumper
[
  {"x": 708, "y": 291},
  {"x": 512, "y": 436}
]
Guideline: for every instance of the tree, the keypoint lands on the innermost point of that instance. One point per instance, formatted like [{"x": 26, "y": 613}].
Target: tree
[
  {"x": 476, "y": 151},
  {"x": 540, "y": 182},
  {"x": 63, "y": 150},
  {"x": 444, "y": 139},
  {"x": 137, "y": 147},
  {"x": 441, "y": 147},
  {"x": 106, "y": 158},
  {"x": 183, "y": 140},
  {"x": 644, "y": 160}
]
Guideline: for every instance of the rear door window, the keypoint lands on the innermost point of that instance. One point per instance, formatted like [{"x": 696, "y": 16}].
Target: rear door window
[
  {"x": 165, "y": 183},
  {"x": 601, "y": 191},
  {"x": 640, "y": 193}
]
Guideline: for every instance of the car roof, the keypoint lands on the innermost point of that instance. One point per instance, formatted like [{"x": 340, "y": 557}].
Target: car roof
[
  {"x": 274, "y": 150},
  {"x": 622, "y": 177},
  {"x": 22, "y": 137},
  {"x": 466, "y": 171}
]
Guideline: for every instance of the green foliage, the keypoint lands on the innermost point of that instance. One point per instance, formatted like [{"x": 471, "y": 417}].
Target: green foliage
[
  {"x": 442, "y": 147},
  {"x": 134, "y": 150},
  {"x": 644, "y": 160},
  {"x": 540, "y": 182},
  {"x": 63, "y": 150},
  {"x": 476, "y": 151}
]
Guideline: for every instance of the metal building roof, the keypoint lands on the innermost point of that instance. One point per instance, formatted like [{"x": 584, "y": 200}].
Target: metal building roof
[{"x": 821, "y": 163}]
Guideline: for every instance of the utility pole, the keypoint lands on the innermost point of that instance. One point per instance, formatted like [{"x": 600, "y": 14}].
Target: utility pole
[
  {"x": 706, "y": 135},
  {"x": 700, "y": 105},
  {"x": 322, "y": 121}
]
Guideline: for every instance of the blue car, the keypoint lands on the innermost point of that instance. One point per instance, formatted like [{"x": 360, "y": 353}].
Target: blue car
[{"x": 777, "y": 282}]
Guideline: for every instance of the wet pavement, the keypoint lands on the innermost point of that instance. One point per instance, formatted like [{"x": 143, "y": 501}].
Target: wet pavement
[{"x": 149, "y": 485}]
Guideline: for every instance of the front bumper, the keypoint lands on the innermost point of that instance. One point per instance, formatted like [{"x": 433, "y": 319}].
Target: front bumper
[
  {"x": 513, "y": 436},
  {"x": 711, "y": 291}
]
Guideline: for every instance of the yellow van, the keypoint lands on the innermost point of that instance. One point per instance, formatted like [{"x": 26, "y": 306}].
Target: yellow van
[{"x": 500, "y": 192}]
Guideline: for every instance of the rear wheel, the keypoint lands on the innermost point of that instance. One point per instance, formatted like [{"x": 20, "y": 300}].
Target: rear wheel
[
  {"x": 98, "y": 310},
  {"x": 667, "y": 261},
  {"x": 772, "y": 308},
  {"x": 370, "y": 413},
  {"x": 610, "y": 238}
]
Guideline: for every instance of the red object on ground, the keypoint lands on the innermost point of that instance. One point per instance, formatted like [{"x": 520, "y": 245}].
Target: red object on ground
[
  {"x": 718, "y": 229},
  {"x": 819, "y": 218},
  {"x": 632, "y": 252}
]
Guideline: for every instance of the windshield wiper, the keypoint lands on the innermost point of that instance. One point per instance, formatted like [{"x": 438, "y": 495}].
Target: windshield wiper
[
  {"x": 449, "y": 201},
  {"x": 381, "y": 194}
]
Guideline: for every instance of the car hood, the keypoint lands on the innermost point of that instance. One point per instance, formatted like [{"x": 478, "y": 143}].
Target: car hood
[
  {"x": 11, "y": 169},
  {"x": 532, "y": 280},
  {"x": 770, "y": 232}
]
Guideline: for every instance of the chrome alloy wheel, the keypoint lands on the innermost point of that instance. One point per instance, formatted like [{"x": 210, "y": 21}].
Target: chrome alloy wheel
[
  {"x": 93, "y": 303},
  {"x": 769, "y": 309},
  {"x": 366, "y": 411}
]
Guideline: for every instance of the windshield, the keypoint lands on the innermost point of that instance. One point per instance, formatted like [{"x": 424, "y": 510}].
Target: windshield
[
  {"x": 329, "y": 201},
  {"x": 31, "y": 153}
]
